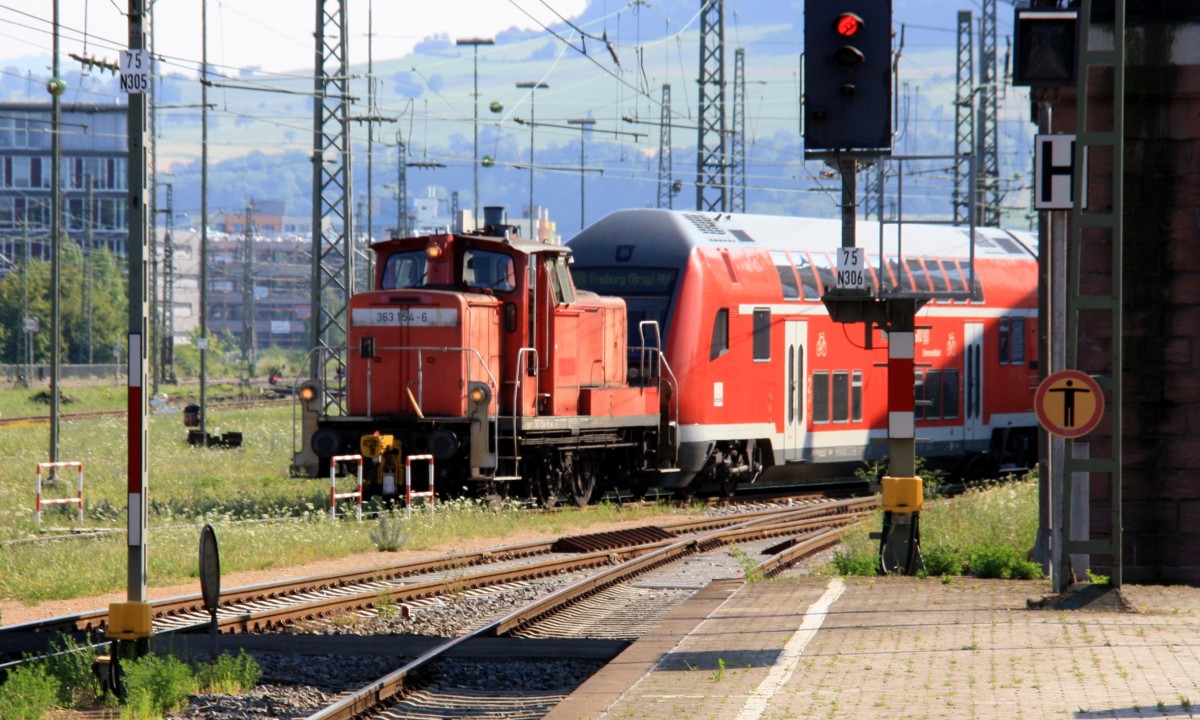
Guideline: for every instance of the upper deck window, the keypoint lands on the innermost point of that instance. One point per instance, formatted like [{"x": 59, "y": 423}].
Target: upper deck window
[{"x": 405, "y": 270}]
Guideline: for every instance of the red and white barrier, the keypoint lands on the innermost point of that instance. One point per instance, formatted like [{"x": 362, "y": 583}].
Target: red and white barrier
[
  {"x": 40, "y": 501},
  {"x": 334, "y": 495},
  {"x": 408, "y": 491}
]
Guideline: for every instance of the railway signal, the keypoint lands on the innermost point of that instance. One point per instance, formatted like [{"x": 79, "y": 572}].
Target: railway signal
[{"x": 848, "y": 76}]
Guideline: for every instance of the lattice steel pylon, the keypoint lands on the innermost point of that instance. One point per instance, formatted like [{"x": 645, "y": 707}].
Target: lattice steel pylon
[
  {"x": 737, "y": 140},
  {"x": 964, "y": 131},
  {"x": 666, "y": 196},
  {"x": 712, "y": 186},
  {"x": 332, "y": 226},
  {"x": 987, "y": 139}
]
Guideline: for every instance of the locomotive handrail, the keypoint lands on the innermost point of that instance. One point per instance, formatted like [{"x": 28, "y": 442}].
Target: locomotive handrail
[
  {"x": 643, "y": 366},
  {"x": 518, "y": 401},
  {"x": 674, "y": 385}
]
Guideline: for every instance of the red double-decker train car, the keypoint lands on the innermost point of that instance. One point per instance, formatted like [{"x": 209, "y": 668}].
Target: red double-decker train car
[
  {"x": 773, "y": 386},
  {"x": 669, "y": 349}
]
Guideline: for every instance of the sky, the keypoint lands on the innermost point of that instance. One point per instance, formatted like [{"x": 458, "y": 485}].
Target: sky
[{"x": 275, "y": 35}]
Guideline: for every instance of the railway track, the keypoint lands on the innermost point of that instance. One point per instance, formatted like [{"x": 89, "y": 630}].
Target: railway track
[
  {"x": 563, "y": 611},
  {"x": 97, "y": 414}
]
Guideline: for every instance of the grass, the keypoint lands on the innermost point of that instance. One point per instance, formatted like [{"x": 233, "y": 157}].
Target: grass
[
  {"x": 244, "y": 493},
  {"x": 986, "y": 532}
]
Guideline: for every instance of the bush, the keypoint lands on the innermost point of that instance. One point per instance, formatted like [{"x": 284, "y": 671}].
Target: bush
[
  {"x": 72, "y": 667},
  {"x": 943, "y": 560},
  {"x": 855, "y": 563},
  {"x": 229, "y": 675},
  {"x": 1002, "y": 562},
  {"x": 389, "y": 534},
  {"x": 156, "y": 685},
  {"x": 30, "y": 693}
]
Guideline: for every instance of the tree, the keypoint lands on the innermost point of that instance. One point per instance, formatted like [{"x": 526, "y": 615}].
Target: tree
[{"x": 88, "y": 329}]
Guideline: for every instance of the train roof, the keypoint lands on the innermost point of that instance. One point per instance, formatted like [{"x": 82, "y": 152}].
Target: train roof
[{"x": 676, "y": 233}]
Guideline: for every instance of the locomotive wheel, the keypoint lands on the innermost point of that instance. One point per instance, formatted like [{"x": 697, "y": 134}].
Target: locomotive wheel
[
  {"x": 582, "y": 477},
  {"x": 544, "y": 483}
]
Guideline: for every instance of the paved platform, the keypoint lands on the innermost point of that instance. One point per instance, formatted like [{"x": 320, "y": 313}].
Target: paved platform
[{"x": 907, "y": 648}]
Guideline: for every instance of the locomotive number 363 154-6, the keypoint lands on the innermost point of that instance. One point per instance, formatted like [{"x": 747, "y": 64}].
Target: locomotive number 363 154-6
[{"x": 405, "y": 317}]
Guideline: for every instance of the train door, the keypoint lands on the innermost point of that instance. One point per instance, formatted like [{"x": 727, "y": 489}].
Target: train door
[
  {"x": 795, "y": 360},
  {"x": 973, "y": 359}
]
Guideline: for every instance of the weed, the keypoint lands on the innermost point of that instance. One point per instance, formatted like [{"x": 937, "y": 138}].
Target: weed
[
  {"x": 29, "y": 693},
  {"x": 71, "y": 664},
  {"x": 1003, "y": 562},
  {"x": 750, "y": 568},
  {"x": 848, "y": 562},
  {"x": 943, "y": 560},
  {"x": 386, "y": 608},
  {"x": 1097, "y": 579},
  {"x": 156, "y": 685},
  {"x": 229, "y": 674},
  {"x": 389, "y": 533},
  {"x": 719, "y": 674},
  {"x": 1185, "y": 703}
]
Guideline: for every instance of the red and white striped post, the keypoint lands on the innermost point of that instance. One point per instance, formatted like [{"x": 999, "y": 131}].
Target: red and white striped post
[
  {"x": 334, "y": 495},
  {"x": 40, "y": 501},
  {"x": 901, "y": 403},
  {"x": 408, "y": 491}
]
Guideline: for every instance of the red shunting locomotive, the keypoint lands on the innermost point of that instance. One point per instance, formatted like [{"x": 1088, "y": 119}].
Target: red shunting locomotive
[{"x": 477, "y": 349}]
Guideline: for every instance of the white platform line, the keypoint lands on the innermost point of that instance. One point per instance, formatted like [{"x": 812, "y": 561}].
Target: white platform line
[{"x": 789, "y": 657}]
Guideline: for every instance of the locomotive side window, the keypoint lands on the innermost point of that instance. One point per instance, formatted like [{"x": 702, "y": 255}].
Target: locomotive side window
[
  {"x": 787, "y": 276},
  {"x": 936, "y": 393},
  {"x": 762, "y": 334},
  {"x": 560, "y": 280},
  {"x": 720, "y": 334},
  {"x": 404, "y": 270},
  {"x": 820, "y": 397}
]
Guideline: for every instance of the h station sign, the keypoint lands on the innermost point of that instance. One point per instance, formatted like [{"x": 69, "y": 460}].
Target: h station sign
[{"x": 1054, "y": 172}]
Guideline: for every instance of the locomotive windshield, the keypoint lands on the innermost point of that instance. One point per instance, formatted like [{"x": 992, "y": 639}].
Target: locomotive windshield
[
  {"x": 405, "y": 270},
  {"x": 488, "y": 270}
]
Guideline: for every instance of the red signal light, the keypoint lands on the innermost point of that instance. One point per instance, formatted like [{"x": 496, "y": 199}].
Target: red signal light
[{"x": 848, "y": 24}]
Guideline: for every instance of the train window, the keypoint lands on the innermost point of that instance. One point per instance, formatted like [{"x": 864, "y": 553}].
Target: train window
[
  {"x": 488, "y": 270},
  {"x": 841, "y": 396},
  {"x": 950, "y": 393},
  {"x": 404, "y": 270},
  {"x": 824, "y": 268},
  {"x": 937, "y": 275},
  {"x": 1012, "y": 341},
  {"x": 933, "y": 394},
  {"x": 808, "y": 280},
  {"x": 955, "y": 277},
  {"x": 1017, "y": 356},
  {"x": 856, "y": 396},
  {"x": 820, "y": 397},
  {"x": 920, "y": 278},
  {"x": 787, "y": 276},
  {"x": 720, "y": 334},
  {"x": 919, "y": 394},
  {"x": 1004, "y": 344},
  {"x": 898, "y": 275},
  {"x": 762, "y": 334}
]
